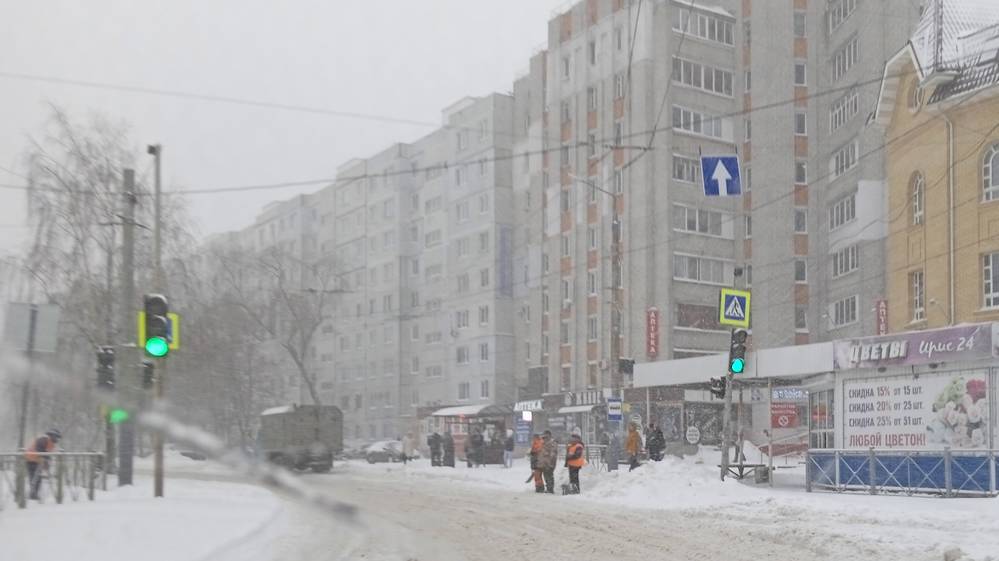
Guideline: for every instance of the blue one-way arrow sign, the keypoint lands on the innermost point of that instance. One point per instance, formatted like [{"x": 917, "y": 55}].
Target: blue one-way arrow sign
[{"x": 721, "y": 176}]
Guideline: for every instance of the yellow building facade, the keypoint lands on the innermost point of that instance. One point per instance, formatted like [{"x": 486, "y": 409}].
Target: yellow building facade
[{"x": 942, "y": 171}]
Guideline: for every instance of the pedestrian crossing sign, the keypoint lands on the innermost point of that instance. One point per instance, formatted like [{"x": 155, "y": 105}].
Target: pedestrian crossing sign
[{"x": 733, "y": 307}]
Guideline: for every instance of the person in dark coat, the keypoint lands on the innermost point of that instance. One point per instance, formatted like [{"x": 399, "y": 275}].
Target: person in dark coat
[
  {"x": 655, "y": 442},
  {"x": 547, "y": 459},
  {"x": 435, "y": 443},
  {"x": 476, "y": 445},
  {"x": 448, "y": 445}
]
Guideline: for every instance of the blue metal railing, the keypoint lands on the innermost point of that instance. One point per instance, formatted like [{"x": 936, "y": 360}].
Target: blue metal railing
[{"x": 938, "y": 472}]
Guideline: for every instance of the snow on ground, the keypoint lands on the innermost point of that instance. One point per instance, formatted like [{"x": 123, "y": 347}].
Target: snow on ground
[
  {"x": 786, "y": 511},
  {"x": 197, "y": 520}
]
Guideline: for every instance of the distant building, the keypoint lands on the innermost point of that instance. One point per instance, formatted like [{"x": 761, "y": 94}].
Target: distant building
[{"x": 939, "y": 104}]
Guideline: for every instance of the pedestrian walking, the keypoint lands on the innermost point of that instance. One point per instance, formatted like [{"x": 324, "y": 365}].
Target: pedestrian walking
[
  {"x": 547, "y": 460},
  {"x": 633, "y": 445},
  {"x": 37, "y": 463},
  {"x": 536, "y": 445},
  {"x": 574, "y": 460},
  {"x": 508, "y": 447},
  {"x": 435, "y": 443},
  {"x": 655, "y": 442},
  {"x": 448, "y": 447},
  {"x": 408, "y": 447},
  {"x": 476, "y": 442}
]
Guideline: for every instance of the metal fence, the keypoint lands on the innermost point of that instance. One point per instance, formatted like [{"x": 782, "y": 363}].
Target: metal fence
[
  {"x": 61, "y": 474},
  {"x": 937, "y": 472}
]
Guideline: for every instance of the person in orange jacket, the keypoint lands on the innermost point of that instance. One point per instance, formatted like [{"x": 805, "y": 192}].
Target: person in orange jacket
[
  {"x": 574, "y": 460},
  {"x": 42, "y": 444},
  {"x": 536, "y": 444},
  {"x": 633, "y": 445}
]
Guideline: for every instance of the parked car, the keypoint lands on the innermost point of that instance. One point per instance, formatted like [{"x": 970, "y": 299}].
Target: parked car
[{"x": 385, "y": 451}]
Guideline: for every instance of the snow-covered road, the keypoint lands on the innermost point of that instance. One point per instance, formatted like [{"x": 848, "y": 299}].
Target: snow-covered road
[{"x": 416, "y": 514}]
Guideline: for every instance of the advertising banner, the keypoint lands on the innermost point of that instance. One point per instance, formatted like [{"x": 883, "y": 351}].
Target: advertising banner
[
  {"x": 881, "y": 307},
  {"x": 964, "y": 342},
  {"x": 784, "y": 415},
  {"x": 931, "y": 411},
  {"x": 652, "y": 332}
]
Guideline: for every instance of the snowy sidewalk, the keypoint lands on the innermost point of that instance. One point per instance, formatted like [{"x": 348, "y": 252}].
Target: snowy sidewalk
[{"x": 197, "y": 520}]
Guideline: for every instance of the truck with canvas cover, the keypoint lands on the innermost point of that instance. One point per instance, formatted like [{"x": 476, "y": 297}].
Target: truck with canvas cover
[{"x": 301, "y": 436}]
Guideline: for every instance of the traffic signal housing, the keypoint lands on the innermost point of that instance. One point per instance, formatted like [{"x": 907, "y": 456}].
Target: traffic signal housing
[
  {"x": 157, "y": 325},
  {"x": 626, "y": 365},
  {"x": 148, "y": 375},
  {"x": 737, "y": 351},
  {"x": 105, "y": 368},
  {"x": 718, "y": 387}
]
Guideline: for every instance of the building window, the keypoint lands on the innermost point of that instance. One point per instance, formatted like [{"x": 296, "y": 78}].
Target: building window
[
  {"x": 484, "y": 277},
  {"x": 838, "y": 11},
  {"x": 566, "y": 246},
  {"x": 462, "y": 249},
  {"x": 618, "y": 38},
  {"x": 800, "y": 74},
  {"x": 591, "y": 99},
  {"x": 591, "y": 328},
  {"x": 461, "y": 355},
  {"x": 591, "y": 145},
  {"x": 566, "y": 67},
  {"x": 414, "y": 332},
  {"x": 800, "y": 271},
  {"x": 844, "y": 159},
  {"x": 843, "y": 211},
  {"x": 564, "y": 333},
  {"x": 843, "y": 109},
  {"x": 483, "y": 242},
  {"x": 414, "y": 365},
  {"x": 698, "y": 123},
  {"x": 591, "y": 282},
  {"x": 484, "y": 352},
  {"x": 748, "y": 77},
  {"x": 990, "y": 173},
  {"x": 990, "y": 285},
  {"x": 387, "y": 303},
  {"x": 619, "y": 81},
  {"x": 618, "y": 133},
  {"x": 414, "y": 299},
  {"x": 747, "y": 125},
  {"x": 844, "y": 312},
  {"x": 702, "y": 77},
  {"x": 800, "y": 221},
  {"x": 845, "y": 261},
  {"x": 565, "y": 111},
  {"x": 591, "y": 49},
  {"x": 463, "y": 284},
  {"x": 917, "y": 186},
  {"x": 801, "y": 318},
  {"x": 801, "y": 172},
  {"x": 917, "y": 295},
  {"x": 432, "y": 238},
  {"x": 704, "y": 26},
  {"x": 463, "y": 390},
  {"x": 483, "y": 315},
  {"x": 800, "y": 27},
  {"x": 686, "y": 169},
  {"x": 591, "y": 237},
  {"x": 567, "y": 290},
  {"x": 701, "y": 221},
  {"x": 800, "y": 123},
  {"x": 699, "y": 269},
  {"x": 697, "y": 316},
  {"x": 461, "y": 319},
  {"x": 844, "y": 58},
  {"x": 484, "y": 389},
  {"x": 749, "y": 226},
  {"x": 459, "y": 176},
  {"x": 618, "y": 180}
]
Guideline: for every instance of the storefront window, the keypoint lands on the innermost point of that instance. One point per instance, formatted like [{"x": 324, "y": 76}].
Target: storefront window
[{"x": 820, "y": 434}]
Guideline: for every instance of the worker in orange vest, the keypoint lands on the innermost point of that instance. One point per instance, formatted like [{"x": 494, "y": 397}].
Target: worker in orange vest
[
  {"x": 536, "y": 444},
  {"x": 42, "y": 444},
  {"x": 574, "y": 460}
]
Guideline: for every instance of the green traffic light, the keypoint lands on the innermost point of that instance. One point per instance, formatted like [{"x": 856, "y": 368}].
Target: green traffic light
[
  {"x": 737, "y": 366},
  {"x": 118, "y": 416},
  {"x": 157, "y": 346}
]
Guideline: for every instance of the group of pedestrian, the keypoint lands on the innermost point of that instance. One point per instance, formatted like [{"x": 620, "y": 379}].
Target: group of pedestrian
[
  {"x": 441, "y": 449},
  {"x": 544, "y": 458},
  {"x": 655, "y": 444}
]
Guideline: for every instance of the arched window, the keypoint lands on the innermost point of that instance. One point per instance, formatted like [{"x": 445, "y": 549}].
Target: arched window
[
  {"x": 990, "y": 173},
  {"x": 917, "y": 186}
]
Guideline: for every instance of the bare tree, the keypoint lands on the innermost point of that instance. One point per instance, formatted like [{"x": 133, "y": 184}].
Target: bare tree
[{"x": 286, "y": 299}]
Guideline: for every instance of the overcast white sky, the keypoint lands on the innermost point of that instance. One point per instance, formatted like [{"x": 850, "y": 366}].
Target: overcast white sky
[{"x": 399, "y": 58}]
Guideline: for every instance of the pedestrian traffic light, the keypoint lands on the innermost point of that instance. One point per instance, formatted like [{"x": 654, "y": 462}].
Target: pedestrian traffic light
[
  {"x": 737, "y": 351},
  {"x": 148, "y": 374},
  {"x": 118, "y": 415},
  {"x": 626, "y": 365},
  {"x": 157, "y": 325},
  {"x": 105, "y": 368},
  {"x": 718, "y": 387}
]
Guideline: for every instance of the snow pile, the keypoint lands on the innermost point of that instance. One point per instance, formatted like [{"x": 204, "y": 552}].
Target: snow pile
[{"x": 196, "y": 520}]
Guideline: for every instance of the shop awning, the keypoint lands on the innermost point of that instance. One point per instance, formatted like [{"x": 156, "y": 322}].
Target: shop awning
[
  {"x": 483, "y": 410},
  {"x": 576, "y": 409}
]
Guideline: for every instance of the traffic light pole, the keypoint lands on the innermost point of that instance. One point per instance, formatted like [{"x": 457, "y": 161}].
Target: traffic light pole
[
  {"x": 156, "y": 151},
  {"x": 125, "y": 361},
  {"x": 727, "y": 423}
]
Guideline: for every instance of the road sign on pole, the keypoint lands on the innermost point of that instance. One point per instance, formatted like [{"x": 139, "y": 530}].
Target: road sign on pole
[
  {"x": 614, "y": 409},
  {"x": 733, "y": 307},
  {"x": 721, "y": 176}
]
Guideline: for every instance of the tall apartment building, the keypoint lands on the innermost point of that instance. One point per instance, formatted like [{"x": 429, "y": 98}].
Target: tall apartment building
[
  {"x": 424, "y": 235},
  {"x": 812, "y": 72},
  {"x": 614, "y": 232}
]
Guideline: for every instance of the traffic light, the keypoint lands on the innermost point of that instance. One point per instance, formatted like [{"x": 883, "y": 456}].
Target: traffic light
[
  {"x": 626, "y": 365},
  {"x": 148, "y": 374},
  {"x": 157, "y": 343},
  {"x": 105, "y": 368},
  {"x": 718, "y": 387},
  {"x": 737, "y": 352}
]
